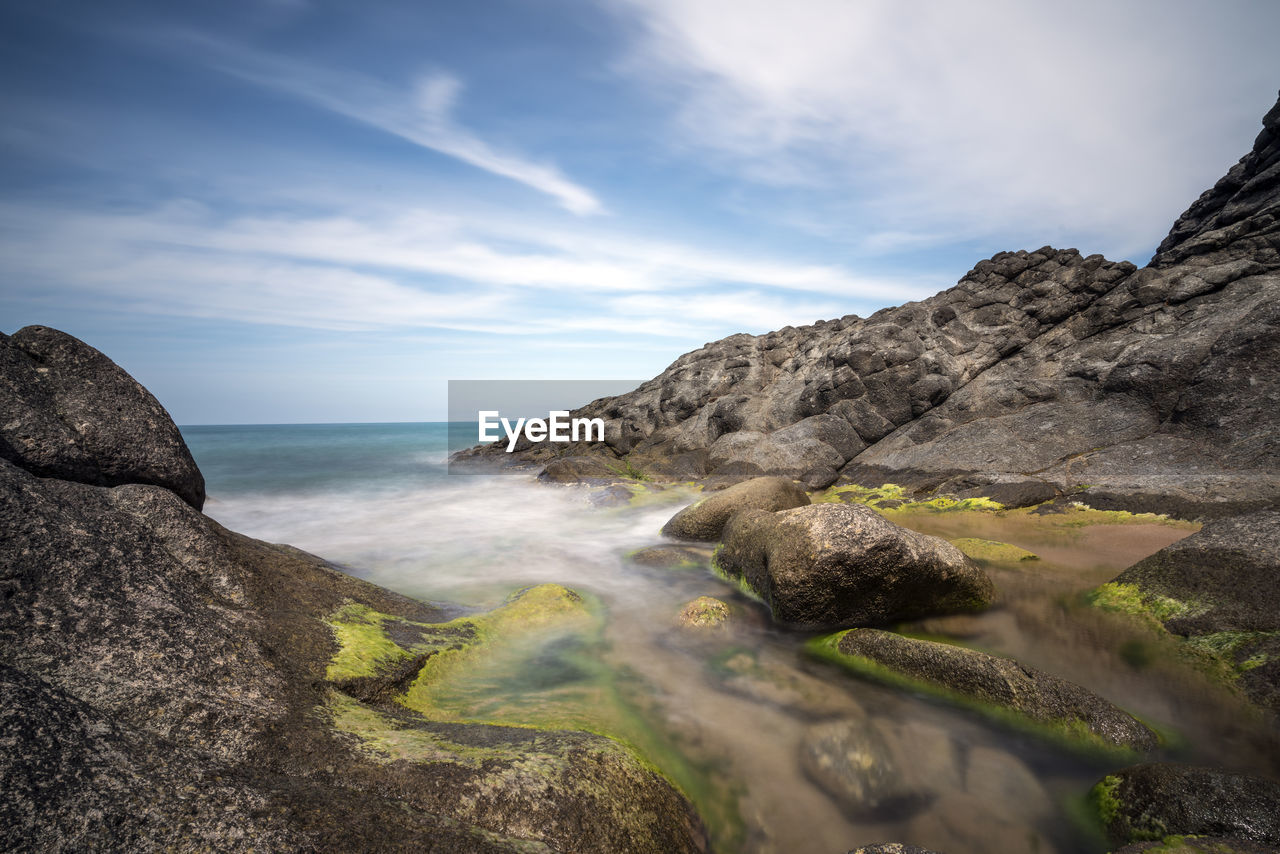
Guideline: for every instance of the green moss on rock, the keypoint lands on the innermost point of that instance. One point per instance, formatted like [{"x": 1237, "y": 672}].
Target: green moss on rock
[{"x": 992, "y": 550}]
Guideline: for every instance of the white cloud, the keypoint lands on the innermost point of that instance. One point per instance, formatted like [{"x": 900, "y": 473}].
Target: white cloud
[
  {"x": 415, "y": 269},
  {"x": 1096, "y": 122},
  {"x": 422, "y": 114}
]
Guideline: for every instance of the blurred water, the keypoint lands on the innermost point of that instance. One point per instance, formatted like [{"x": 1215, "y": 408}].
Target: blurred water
[{"x": 730, "y": 719}]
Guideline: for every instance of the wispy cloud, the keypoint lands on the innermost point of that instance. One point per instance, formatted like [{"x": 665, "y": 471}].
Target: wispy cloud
[
  {"x": 421, "y": 113},
  {"x": 413, "y": 269},
  {"x": 961, "y": 120}
]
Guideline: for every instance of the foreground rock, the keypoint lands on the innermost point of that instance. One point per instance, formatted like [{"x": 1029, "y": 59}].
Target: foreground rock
[
  {"x": 703, "y": 613},
  {"x": 1066, "y": 709},
  {"x": 1039, "y": 373},
  {"x": 1217, "y": 588},
  {"x": 705, "y": 519},
  {"x": 892, "y": 848},
  {"x": 69, "y": 412},
  {"x": 830, "y": 565},
  {"x": 1147, "y": 802},
  {"x": 169, "y": 685}
]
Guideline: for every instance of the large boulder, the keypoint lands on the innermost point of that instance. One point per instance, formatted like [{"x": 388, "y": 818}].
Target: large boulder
[
  {"x": 833, "y": 565},
  {"x": 67, "y": 411},
  {"x": 705, "y": 519},
  {"x": 1217, "y": 588},
  {"x": 1156, "y": 800},
  {"x": 1000, "y": 683}
]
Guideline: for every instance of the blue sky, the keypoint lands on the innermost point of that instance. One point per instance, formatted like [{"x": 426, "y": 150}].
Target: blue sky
[{"x": 299, "y": 210}]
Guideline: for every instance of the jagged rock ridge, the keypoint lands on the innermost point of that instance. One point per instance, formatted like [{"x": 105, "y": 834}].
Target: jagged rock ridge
[{"x": 1039, "y": 373}]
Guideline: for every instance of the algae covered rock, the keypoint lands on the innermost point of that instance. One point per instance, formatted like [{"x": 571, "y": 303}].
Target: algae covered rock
[
  {"x": 704, "y": 612},
  {"x": 992, "y": 550},
  {"x": 705, "y": 519},
  {"x": 832, "y": 565},
  {"x": 892, "y": 848},
  {"x": 1002, "y": 683},
  {"x": 69, "y": 412},
  {"x": 1216, "y": 588},
  {"x": 1157, "y": 800}
]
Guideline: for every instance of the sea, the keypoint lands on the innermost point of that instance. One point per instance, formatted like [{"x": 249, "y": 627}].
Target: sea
[{"x": 780, "y": 752}]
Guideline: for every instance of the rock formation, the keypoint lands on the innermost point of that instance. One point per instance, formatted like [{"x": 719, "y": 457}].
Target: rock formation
[
  {"x": 166, "y": 684},
  {"x": 1039, "y": 373}
]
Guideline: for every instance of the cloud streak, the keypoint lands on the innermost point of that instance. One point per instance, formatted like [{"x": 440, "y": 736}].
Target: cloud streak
[
  {"x": 421, "y": 114},
  {"x": 423, "y": 268}
]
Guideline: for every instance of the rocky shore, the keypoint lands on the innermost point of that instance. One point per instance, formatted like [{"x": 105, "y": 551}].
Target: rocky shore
[{"x": 170, "y": 684}]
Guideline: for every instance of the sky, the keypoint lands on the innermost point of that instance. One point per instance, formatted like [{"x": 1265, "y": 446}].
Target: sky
[{"x": 310, "y": 210}]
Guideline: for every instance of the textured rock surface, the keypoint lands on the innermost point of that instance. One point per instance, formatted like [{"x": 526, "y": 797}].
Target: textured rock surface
[
  {"x": 1218, "y": 587},
  {"x": 1146, "y": 802},
  {"x": 831, "y": 565},
  {"x": 1159, "y": 388},
  {"x": 1001, "y": 682},
  {"x": 892, "y": 848},
  {"x": 704, "y": 520},
  {"x": 67, "y": 411}
]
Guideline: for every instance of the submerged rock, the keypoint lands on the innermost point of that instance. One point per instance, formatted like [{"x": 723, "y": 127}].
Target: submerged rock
[
  {"x": 829, "y": 565},
  {"x": 703, "y": 613},
  {"x": 1002, "y": 683},
  {"x": 672, "y": 557},
  {"x": 992, "y": 550},
  {"x": 1153, "y": 801},
  {"x": 891, "y": 848},
  {"x": 705, "y": 519},
  {"x": 879, "y": 769},
  {"x": 69, "y": 412}
]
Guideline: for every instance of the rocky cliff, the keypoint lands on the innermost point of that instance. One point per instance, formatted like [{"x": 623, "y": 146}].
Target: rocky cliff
[
  {"x": 166, "y": 684},
  {"x": 1039, "y": 374}
]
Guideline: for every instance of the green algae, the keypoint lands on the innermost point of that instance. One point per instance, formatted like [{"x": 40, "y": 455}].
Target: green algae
[
  {"x": 536, "y": 662},
  {"x": 1104, "y": 800},
  {"x": 992, "y": 550},
  {"x": 736, "y": 581},
  {"x": 891, "y": 498},
  {"x": 363, "y": 645},
  {"x": 1072, "y": 735},
  {"x": 1151, "y": 608}
]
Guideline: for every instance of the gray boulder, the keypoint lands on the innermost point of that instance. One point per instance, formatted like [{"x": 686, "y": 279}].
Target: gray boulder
[
  {"x": 832, "y": 565},
  {"x": 999, "y": 682},
  {"x": 67, "y": 411},
  {"x": 1156, "y": 800},
  {"x": 705, "y": 519}
]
